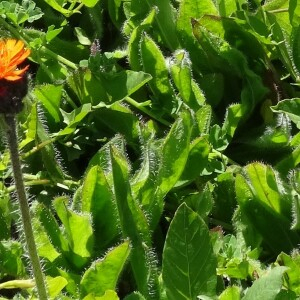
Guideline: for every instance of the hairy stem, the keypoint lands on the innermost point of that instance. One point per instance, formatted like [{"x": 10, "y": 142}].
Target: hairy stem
[{"x": 24, "y": 207}]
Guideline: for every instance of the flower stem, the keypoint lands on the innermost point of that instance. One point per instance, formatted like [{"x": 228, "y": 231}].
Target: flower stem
[
  {"x": 24, "y": 207},
  {"x": 143, "y": 109}
]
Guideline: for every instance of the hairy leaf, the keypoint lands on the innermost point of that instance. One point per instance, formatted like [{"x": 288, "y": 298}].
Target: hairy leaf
[
  {"x": 272, "y": 280},
  {"x": 78, "y": 232},
  {"x": 103, "y": 274},
  {"x": 189, "y": 264},
  {"x": 266, "y": 207},
  {"x": 98, "y": 200}
]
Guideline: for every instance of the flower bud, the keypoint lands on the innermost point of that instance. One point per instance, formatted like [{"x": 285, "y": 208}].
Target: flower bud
[
  {"x": 12, "y": 94},
  {"x": 13, "y": 81}
]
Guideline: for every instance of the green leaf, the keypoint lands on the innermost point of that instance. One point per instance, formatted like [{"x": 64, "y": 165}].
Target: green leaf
[
  {"x": 294, "y": 13},
  {"x": 90, "y": 3},
  {"x": 134, "y": 40},
  {"x": 266, "y": 187},
  {"x": 269, "y": 285},
  {"x": 289, "y": 162},
  {"x": 103, "y": 159},
  {"x": 266, "y": 207},
  {"x": 143, "y": 182},
  {"x": 104, "y": 274},
  {"x": 281, "y": 34},
  {"x": 292, "y": 278},
  {"x": 19, "y": 14},
  {"x": 197, "y": 159},
  {"x": 121, "y": 85},
  {"x": 132, "y": 218},
  {"x": 73, "y": 281},
  {"x": 290, "y": 107},
  {"x": 275, "y": 4},
  {"x": 180, "y": 67},
  {"x": 106, "y": 88},
  {"x": 135, "y": 226},
  {"x": 50, "y": 96},
  {"x": 47, "y": 153},
  {"x": 224, "y": 196},
  {"x": 268, "y": 143},
  {"x": 55, "y": 285},
  {"x": 174, "y": 154},
  {"x": 296, "y": 46},
  {"x": 52, "y": 33},
  {"x": 56, "y": 5},
  {"x": 189, "y": 264},
  {"x": 204, "y": 118},
  {"x": 213, "y": 96},
  {"x": 98, "y": 200},
  {"x": 108, "y": 295},
  {"x": 119, "y": 118},
  {"x": 227, "y": 7},
  {"x": 189, "y": 10},
  {"x": 11, "y": 253},
  {"x": 286, "y": 294},
  {"x": 165, "y": 22},
  {"x": 34, "y": 12},
  {"x": 74, "y": 118},
  {"x": 5, "y": 216},
  {"x": 115, "y": 9},
  {"x": 221, "y": 57},
  {"x": 236, "y": 260},
  {"x": 50, "y": 238},
  {"x": 296, "y": 208},
  {"x": 88, "y": 88},
  {"x": 78, "y": 231},
  {"x": 199, "y": 94},
  {"x": 82, "y": 37},
  {"x": 51, "y": 70},
  {"x": 234, "y": 113},
  {"x": 201, "y": 202},
  {"x": 31, "y": 126},
  {"x": 53, "y": 230},
  {"x": 154, "y": 64},
  {"x": 231, "y": 293}
]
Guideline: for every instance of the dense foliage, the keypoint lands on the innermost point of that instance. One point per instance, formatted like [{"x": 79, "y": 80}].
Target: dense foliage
[{"x": 160, "y": 142}]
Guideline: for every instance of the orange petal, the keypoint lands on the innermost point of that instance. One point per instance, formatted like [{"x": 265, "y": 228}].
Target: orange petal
[
  {"x": 13, "y": 47},
  {"x": 13, "y": 77},
  {"x": 18, "y": 72},
  {"x": 12, "y": 53},
  {"x": 21, "y": 57}
]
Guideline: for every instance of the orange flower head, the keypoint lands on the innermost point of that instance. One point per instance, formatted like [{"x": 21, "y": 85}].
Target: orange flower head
[{"x": 12, "y": 54}]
